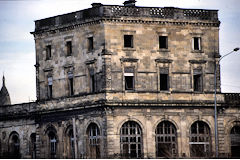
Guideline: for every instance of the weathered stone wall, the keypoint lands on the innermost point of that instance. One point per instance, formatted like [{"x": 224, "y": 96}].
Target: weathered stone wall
[{"x": 78, "y": 63}]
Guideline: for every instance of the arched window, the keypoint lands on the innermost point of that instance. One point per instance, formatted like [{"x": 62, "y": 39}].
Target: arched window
[
  {"x": 131, "y": 140},
  {"x": 70, "y": 147},
  {"x": 93, "y": 141},
  {"x": 166, "y": 140},
  {"x": 14, "y": 145},
  {"x": 235, "y": 142},
  {"x": 200, "y": 140},
  {"x": 52, "y": 144},
  {"x": 32, "y": 148}
]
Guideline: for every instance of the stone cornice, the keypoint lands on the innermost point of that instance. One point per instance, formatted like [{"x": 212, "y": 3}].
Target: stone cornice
[{"x": 158, "y": 21}]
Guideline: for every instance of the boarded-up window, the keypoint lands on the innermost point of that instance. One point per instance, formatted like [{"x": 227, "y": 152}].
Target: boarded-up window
[
  {"x": 93, "y": 141},
  {"x": 166, "y": 140},
  {"x": 235, "y": 142},
  {"x": 131, "y": 140},
  {"x": 200, "y": 140}
]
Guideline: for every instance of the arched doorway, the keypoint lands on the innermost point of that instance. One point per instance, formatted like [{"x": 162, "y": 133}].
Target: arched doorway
[
  {"x": 131, "y": 140},
  {"x": 166, "y": 140},
  {"x": 14, "y": 145},
  {"x": 235, "y": 142},
  {"x": 200, "y": 140},
  {"x": 93, "y": 141}
]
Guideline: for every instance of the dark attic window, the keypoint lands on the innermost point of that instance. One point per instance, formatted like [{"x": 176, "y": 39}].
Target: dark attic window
[
  {"x": 163, "y": 42},
  {"x": 128, "y": 41}
]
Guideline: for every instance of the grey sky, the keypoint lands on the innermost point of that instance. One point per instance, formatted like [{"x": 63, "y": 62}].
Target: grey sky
[{"x": 17, "y": 50}]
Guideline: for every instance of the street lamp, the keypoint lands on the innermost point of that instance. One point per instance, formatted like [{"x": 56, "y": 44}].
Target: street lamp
[{"x": 215, "y": 100}]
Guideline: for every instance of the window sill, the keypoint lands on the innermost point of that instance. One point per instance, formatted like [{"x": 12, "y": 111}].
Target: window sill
[
  {"x": 129, "y": 91},
  {"x": 69, "y": 55},
  {"x": 48, "y": 59},
  {"x": 164, "y": 91},
  {"x": 163, "y": 50},
  {"x": 197, "y": 51},
  {"x": 129, "y": 49},
  {"x": 90, "y": 51}
]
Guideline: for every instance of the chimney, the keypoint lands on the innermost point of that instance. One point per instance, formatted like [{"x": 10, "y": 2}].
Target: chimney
[
  {"x": 130, "y": 3},
  {"x": 96, "y": 5}
]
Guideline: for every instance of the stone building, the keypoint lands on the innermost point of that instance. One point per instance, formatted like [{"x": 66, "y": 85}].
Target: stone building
[{"x": 124, "y": 82}]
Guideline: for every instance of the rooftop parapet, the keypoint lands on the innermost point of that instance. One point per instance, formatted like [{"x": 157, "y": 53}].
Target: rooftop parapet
[{"x": 99, "y": 11}]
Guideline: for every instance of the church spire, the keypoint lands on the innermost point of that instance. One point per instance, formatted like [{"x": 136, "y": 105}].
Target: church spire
[{"x": 4, "y": 95}]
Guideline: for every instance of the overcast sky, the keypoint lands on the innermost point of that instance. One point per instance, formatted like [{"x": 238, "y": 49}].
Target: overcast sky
[{"x": 17, "y": 49}]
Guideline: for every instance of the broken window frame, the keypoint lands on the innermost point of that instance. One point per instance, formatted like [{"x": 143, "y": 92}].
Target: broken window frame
[
  {"x": 129, "y": 78},
  {"x": 163, "y": 42},
  {"x": 90, "y": 44},
  {"x": 196, "y": 43},
  {"x": 235, "y": 141},
  {"x": 69, "y": 48},
  {"x": 128, "y": 41},
  {"x": 48, "y": 52},
  {"x": 166, "y": 140},
  {"x": 130, "y": 136},
  {"x": 50, "y": 88},
  {"x": 93, "y": 141},
  {"x": 197, "y": 80},
  {"x": 200, "y": 140}
]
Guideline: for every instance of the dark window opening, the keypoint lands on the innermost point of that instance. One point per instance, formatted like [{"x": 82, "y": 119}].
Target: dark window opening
[
  {"x": 128, "y": 41},
  {"x": 33, "y": 146},
  {"x": 163, "y": 42},
  {"x": 93, "y": 141},
  {"x": 50, "y": 87},
  {"x": 69, "y": 48},
  {"x": 129, "y": 82},
  {"x": 163, "y": 82},
  {"x": 71, "y": 86},
  {"x": 90, "y": 44},
  {"x": 166, "y": 140},
  {"x": 92, "y": 81},
  {"x": 196, "y": 43},
  {"x": 131, "y": 140},
  {"x": 14, "y": 146},
  {"x": 71, "y": 142},
  {"x": 235, "y": 142},
  {"x": 48, "y": 52},
  {"x": 200, "y": 139},
  {"x": 53, "y": 144},
  {"x": 197, "y": 82}
]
